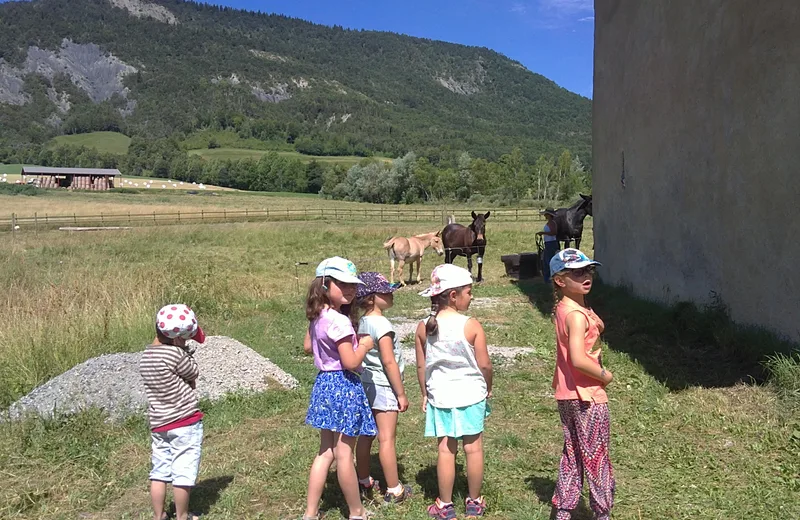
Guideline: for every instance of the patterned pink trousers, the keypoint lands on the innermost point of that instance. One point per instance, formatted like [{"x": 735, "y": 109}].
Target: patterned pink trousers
[{"x": 586, "y": 440}]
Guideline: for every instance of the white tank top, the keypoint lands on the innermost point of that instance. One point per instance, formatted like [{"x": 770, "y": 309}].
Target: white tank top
[{"x": 452, "y": 376}]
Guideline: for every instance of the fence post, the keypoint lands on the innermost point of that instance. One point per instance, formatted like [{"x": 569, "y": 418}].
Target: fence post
[
  {"x": 179, "y": 217},
  {"x": 246, "y": 215},
  {"x": 224, "y": 215},
  {"x": 381, "y": 214},
  {"x": 154, "y": 218},
  {"x": 202, "y": 215},
  {"x": 36, "y": 223},
  {"x": 74, "y": 219},
  {"x": 129, "y": 218},
  {"x": 516, "y": 214},
  {"x": 102, "y": 220},
  {"x": 14, "y": 224}
]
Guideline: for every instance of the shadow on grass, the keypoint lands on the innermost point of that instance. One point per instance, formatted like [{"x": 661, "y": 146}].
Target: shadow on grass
[
  {"x": 332, "y": 497},
  {"x": 681, "y": 345},
  {"x": 428, "y": 483},
  {"x": 205, "y": 494},
  {"x": 544, "y": 487}
]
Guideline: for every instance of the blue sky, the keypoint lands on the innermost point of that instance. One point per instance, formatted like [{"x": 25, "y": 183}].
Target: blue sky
[{"x": 552, "y": 37}]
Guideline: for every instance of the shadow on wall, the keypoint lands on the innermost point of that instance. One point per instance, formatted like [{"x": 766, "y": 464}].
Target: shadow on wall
[{"x": 681, "y": 346}]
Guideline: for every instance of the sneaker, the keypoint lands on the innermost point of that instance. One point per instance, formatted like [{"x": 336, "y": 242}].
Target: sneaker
[
  {"x": 390, "y": 498},
  {"x": 475, "y": 507},
  {"x": 368, "y": 492},
  {"x": 447, "y": 512}
]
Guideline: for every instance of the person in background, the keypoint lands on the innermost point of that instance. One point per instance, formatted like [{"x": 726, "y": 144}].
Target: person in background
[{"x": 548, "y": 234}]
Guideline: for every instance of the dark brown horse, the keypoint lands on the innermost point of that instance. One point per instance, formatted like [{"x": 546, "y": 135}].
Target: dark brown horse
[
  {"x": 466, "y": 241},
  {"x": 569, "y": 221}
]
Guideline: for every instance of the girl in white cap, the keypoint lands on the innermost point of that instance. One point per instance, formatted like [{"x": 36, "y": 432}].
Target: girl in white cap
[
  {"x": 455, "y": 378},
  {"x": 339, "y": 406}
]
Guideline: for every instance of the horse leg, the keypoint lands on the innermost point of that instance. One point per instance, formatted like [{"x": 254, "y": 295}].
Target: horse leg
[
  {"x": 419, "y": 272},
  {"x": 400, "y": 264},
  {"x": 391, "y": 273},
  {"x": 480, "y": 266},
  {"x": 410, "y": 271},
  {"x": 577, "y": 243},
  {"x": 448, "y": 256}
]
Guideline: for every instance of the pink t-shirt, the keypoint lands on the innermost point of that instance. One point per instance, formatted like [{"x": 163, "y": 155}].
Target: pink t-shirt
[
  {"x": 331, "y": 326},
  {"x": 568, "y": 382}
]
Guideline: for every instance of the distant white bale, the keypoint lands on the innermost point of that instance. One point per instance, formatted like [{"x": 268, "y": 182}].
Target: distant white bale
[
  {"x": 194, "y": 184},
  {"x": 174, "y": 185},
  {"x": 163, "y": 185},
  {"x": 16, "y": 227},
  {"x": 137, "y": 184}
]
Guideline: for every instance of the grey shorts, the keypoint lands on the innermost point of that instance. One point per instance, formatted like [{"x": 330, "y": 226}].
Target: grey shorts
[
  {"x": 381, "y": 398},
  {"x": 176, "y": 455}
]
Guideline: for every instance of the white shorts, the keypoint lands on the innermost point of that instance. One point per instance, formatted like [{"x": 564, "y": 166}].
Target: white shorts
[
  {"x": 381, "y": 398},
  {"x": 176, "y": 455}
]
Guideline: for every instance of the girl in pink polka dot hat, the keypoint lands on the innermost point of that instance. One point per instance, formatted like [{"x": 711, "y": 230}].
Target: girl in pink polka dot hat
[{"x": 169, "y": 374}]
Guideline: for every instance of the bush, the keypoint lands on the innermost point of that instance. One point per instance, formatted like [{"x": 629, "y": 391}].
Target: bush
[{"x": 20, "y": 189}]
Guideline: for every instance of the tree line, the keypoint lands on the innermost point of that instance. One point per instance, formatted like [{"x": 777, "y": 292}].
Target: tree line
[{"x": 432, "y": 176}]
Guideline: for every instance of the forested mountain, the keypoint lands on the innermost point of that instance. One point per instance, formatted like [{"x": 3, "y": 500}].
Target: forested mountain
[{"x": 168, "y": 68}]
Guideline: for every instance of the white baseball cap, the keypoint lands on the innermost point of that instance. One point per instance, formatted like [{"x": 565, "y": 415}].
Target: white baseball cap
[
  {"x": 340, "y": 269},
  {"x": 447, "y": 276},
  {"x": 177, "y": 320}
]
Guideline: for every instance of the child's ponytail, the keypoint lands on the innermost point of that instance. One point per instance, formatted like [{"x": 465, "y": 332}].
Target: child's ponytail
[{"x": 431, "y": 326}]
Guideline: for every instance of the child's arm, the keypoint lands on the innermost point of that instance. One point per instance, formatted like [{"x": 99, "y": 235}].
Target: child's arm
[
  {"x": 475, "y": 334},
  {"x": 392, "y": 370},
  {"x": 187, "y": 368},
  {"x": 577, "y": 325},
  {"x": 420, "y": 338},
  {"x": 351, "y": 359},
  {"x": 307, "y": 342}
]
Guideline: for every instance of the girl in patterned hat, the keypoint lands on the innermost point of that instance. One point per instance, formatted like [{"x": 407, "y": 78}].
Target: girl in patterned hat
[
  {"x": 339, "y": 406},
  {"x": 383, "y": 382},
  {"x": 580, "y": 389},
  {"x": 455, "y": 378}
]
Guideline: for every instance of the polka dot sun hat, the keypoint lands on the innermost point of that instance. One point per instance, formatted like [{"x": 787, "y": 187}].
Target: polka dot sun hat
[{"x": 177, "y": 320}]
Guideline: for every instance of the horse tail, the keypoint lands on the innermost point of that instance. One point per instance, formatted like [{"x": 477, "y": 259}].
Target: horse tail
[{"x": 389, "y": 243}]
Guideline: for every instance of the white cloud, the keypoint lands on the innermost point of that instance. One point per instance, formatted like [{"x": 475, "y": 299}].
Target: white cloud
[
  {"x": 556, "y": 14},
  {"x": 519, "y": 7}
]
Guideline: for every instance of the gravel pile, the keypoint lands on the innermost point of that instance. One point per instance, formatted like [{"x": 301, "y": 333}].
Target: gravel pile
[
  {"x": 111, "y": 382},
  {"x": 499, "y": 355}
]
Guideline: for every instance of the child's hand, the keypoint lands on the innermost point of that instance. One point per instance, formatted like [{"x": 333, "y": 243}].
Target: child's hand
[
  {"x": 365, "y": 340},
  {"x": 192, "y": 384},
  {"x": 402, "y": 402},
  {"x": 424, "y": 404},
  {"x": 608, "y": 377}
]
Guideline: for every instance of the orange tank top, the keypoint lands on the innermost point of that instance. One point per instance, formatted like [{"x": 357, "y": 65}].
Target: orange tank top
[{"x": 568, "y": 382}]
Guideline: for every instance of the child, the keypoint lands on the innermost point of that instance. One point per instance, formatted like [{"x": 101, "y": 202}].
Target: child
[
  {"x": 579, "y": 384},
  {"x": 383, "y": 383},
  {"x": 338, "y": 407},
  {"x": 169, "y": 373},
  {"x": 455, "y": 378}
]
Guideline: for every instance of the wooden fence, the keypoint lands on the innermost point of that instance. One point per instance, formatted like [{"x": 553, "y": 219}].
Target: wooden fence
[{"x": 40, "y": 222}]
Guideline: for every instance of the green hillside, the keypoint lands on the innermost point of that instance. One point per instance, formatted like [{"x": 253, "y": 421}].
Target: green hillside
[
  {"x": 235, "y": 154},
  {"x": 317, "y": 89},
  {"x": 105, "y": 142}
]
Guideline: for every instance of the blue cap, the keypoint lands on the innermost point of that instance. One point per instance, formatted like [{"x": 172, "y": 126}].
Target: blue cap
[
  {"x": 570, "y": 258},
  {"x": 338, "y": 268}
]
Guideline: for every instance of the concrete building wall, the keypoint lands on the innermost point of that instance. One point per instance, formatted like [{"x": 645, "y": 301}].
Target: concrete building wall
[{"x": 702, "y": 99}]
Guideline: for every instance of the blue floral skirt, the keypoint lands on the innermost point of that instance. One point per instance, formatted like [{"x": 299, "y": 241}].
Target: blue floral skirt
[{"x": 339, "y": 404}]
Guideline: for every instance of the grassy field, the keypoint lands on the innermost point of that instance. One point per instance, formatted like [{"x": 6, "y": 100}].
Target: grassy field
[
  {"x": 242, "y": 153},
  {"x": 108, "y": 142},
  {"x": 63, "y": 202},
  {"x": 693, "y": 436}
]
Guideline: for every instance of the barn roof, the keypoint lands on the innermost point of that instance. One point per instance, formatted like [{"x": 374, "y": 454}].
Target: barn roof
[{"x": 42, "y": 170}]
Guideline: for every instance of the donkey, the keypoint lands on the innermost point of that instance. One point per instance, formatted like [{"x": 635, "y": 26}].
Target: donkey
[
  {"x": 411, "y": 250},
  {"x": 466, "y": 241},
  {"x": 569, "y": 221}
]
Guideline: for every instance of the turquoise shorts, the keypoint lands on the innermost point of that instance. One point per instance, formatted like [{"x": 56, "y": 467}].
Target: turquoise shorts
[{"x": 455, "y": 422}]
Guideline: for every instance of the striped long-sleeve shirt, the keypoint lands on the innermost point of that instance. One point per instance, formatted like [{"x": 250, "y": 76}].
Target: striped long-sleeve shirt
[{"x": 166, "y": 371}]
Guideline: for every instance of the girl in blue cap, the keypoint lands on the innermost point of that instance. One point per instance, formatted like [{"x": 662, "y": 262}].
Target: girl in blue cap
[
  {"x": 383, "y": 382},
  {"x": 338, "y": 407}
]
